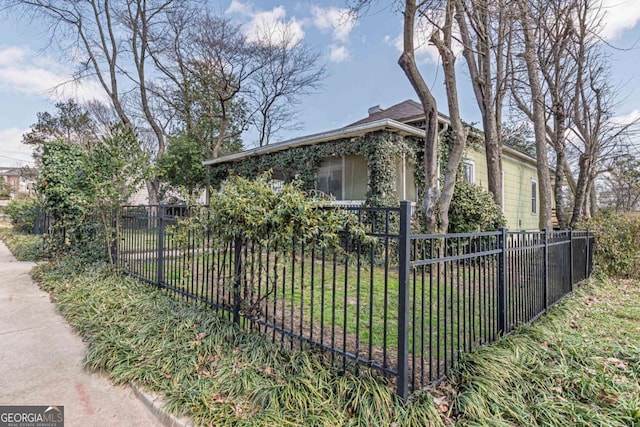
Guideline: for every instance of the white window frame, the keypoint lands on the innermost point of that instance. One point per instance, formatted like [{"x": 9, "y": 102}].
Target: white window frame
[
  {"x": 342, "y": 201},
  {"x": 534, "y": 197},
  {"x": 472, "y": 168}
]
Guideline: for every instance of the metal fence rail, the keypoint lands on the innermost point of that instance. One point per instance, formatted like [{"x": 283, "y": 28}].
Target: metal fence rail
[{"x": 407, "y": 305}]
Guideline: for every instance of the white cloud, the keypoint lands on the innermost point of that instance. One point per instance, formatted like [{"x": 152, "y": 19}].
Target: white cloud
[
  {"x": 338, "y": 53},
  {"x": 339, "y": 21},
  {"x": 619, "y": 16},
  {"x": 239, "y": 7},
  {"x": 424, "y": 29},
  {"x": 12, "y": 151},
  {"x": 268, "y": 26},
  {"x": 10, "y": 55},
  {"x": 24, "y": 71},
  {"x": 626, "y": 119}
]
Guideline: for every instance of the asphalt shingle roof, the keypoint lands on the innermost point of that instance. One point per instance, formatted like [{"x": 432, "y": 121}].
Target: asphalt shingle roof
[{"x": 401, "y": 112}]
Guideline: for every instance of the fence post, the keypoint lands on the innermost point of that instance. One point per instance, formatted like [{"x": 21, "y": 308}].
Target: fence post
[
  {"x": 404, "y": 248},
  {"x": 502, "y": 282},
  {"x": 571, "y": 260},
  {"x": 160, "y": 260},
  {"x": 237, "y": 279},
  {"x": 114, "y": 237},
  {"x": 589, "y": 258},
  {"x": 545, "y": 266}
]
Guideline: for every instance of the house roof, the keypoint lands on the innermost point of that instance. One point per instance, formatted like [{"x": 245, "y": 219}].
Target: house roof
[
  {"x": 9, "y": 171},
  {"x": 396, "y": 118},
  {"x": 346, "y": 132},
  {"x": 406, "y": 111}
]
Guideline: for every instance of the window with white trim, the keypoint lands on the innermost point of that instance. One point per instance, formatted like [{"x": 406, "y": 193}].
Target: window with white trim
[
  {"x": 534, "y": 196},
  {"x": 469, "y": 170},
  {"x": 344, "y": 178}
]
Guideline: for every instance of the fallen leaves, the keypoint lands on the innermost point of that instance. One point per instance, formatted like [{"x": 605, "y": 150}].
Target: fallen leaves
[{"x": 620, "y": 364}]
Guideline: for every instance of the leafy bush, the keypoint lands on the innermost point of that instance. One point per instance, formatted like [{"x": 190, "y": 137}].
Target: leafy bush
[
  {"x": 24, "y": 213},
  {"x": 251, "y": 209},
  {"x": 81, "y": 188},
  {"x": 473, "y": 209},
  {"x": 617, "y": 249}
]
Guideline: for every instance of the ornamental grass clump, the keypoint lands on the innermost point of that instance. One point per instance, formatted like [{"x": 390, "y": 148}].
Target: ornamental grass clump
[{"x": 579, "y": 365}]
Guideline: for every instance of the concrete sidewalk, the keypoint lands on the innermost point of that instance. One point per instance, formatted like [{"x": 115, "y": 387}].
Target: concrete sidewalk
[{"x": 41, "y": 359}]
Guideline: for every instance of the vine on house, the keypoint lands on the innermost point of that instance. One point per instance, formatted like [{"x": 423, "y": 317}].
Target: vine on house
[{"x": 380, "y": 149}]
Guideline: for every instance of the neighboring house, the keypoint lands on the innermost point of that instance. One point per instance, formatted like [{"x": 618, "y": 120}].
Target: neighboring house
[
  {"x": 379, "y": 161},
  {"x": 15, "y": 180}
]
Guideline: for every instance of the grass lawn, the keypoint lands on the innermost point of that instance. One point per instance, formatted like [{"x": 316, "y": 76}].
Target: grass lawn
[{"x": 351, "y": 306}]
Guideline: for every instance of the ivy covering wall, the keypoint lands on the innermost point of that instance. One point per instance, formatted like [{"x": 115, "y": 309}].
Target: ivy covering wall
[{"x": 381, "y": 150}]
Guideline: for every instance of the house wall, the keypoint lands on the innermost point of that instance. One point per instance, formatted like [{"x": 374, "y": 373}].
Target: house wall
[{"x": 516, "y": 188}]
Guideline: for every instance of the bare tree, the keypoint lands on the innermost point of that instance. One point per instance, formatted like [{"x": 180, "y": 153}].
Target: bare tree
[
  {"x": 438, "y": 18},
  {"x": 408, "y": 64},
  {"x": 527, "y": 23},
  {"x": 109, "y": 41},
  {"x": 219, "y": 81},
  {"x": 622, "y": 183},
  {"x": 486, "y": 36},
  {"x": 443, "y": 40},
  {"x": 289, "y": 70}
]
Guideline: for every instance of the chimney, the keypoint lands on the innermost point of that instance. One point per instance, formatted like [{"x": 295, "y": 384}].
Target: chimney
[{"x": 375, "y": 109}]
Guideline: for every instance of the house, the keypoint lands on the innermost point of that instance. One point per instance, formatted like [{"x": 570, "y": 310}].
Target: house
[
  {"x": 378, "y": 160},
  {"x": 16, "y": 181}
]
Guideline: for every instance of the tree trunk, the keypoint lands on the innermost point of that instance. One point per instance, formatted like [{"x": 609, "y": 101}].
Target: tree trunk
[
  {"x": 153, "y": 188},
  {"x": 559, "y": 173},
  {"x": 539, "y": 123},
  {"x": 459, "y": 134},
  {"x": 408, "y": 64},
  {"x": 581, "y": 190},
  {"x": 593, "y": 199},
  {"x": 478, "y": 58}
]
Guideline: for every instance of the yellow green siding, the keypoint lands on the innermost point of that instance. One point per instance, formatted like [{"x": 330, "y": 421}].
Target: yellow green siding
[{"x": 518, "y": 175}]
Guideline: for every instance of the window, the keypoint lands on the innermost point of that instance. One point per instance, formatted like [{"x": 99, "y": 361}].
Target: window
[
  {"x": 344, "y": 178},
  {"x": 534, "y": 197},
  {"x": 469, "y": 171},
  {"x": 330, "y": 177}
]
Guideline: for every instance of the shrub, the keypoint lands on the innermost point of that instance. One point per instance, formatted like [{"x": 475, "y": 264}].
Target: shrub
[
  {"x": 473, "y": 209},
  {"x": 252, "y": 210},
  {"x": 24, "y": 213},
  {"x": 617, "y": 249}
]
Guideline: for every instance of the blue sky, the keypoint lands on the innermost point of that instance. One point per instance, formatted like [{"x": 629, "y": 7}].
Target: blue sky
[{"x": 361, "y": 57}]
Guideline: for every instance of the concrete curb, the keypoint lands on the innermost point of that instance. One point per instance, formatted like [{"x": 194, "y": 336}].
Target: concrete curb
[{"x": 155, "y": 404}]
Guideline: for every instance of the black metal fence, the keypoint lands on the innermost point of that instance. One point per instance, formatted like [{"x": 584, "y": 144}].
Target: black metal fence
[{"x": 406, "y": 305}]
